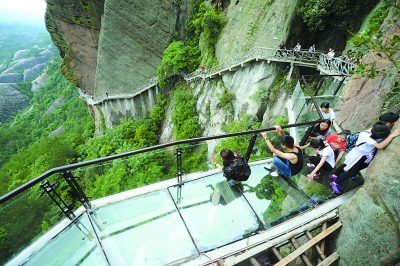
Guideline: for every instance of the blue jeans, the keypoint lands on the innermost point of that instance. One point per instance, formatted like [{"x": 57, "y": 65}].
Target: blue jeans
[{"x": 283, "y": 166}]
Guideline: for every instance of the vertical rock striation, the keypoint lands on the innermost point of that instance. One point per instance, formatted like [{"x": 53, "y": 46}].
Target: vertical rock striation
[
  {"x": 74, "y": 27},
  {"x": 132, "y": 40}
]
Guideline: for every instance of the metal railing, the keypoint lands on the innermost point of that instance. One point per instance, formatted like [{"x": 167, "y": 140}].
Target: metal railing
[
  {"x": 330, "y": 65},
  {"x": 70, "y": 167}
]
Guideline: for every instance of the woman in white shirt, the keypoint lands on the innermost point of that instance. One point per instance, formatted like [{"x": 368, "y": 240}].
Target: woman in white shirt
[
  {"x": 325, "y": 159},
  {"x": 377, "y": 137},
  {"x": 327, "y": 112}
]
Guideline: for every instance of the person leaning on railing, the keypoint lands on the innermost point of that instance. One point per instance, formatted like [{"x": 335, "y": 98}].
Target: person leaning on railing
[{"x": 287, "y": 163}]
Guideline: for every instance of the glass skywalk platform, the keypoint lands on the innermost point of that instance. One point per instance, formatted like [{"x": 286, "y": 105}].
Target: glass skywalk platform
[
  {"x": 171, "y": 222},
  {"x": 164, "y": 224}
]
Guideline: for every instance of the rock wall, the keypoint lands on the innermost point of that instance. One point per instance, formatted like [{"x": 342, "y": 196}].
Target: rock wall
[
  {"x": 254, "y": 23},
  {"x": 113, "y": 110},
  {"x": 11, "y": 101},
  {"x": 132, "y": 40},
  {"x": 367, "y": 233},
  {"x": 74, "y": 28}
]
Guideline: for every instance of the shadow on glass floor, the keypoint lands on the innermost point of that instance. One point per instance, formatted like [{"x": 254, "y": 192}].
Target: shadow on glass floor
[
  {"x": 217, "y": 214},
  {"x": 319, "y": 189}
]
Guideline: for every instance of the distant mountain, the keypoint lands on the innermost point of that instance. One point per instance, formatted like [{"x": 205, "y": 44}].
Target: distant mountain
[{"x": 24, "y": 54}]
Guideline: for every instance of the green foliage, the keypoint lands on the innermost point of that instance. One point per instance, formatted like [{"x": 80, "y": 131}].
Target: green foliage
[
  {"x": 241, "y": 143},
  {"x": 226, "y": 99},
  {"x": 208, "y": 110},
  {"x": 210, "y": 22},
  {"x": 184, "y": 115},
  {"x": 260, "y": 96},
  {"x": 318, "y": 14},
  {"x": 269, "y": 189},
  {"x": 379, "y": 15},
  {"x": 36, "y": 123},
  {"x": 317, "y": 189},
  {"x": 206, "y": 24},
  {"x": 383, "y": 50},
  {"x": 282, "y": 121},
  {"x": 195, "y": 157},
  {"x": 178, "y": 57}
]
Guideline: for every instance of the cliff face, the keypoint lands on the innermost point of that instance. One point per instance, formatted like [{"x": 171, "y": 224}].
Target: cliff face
[
  {"x": 133, "y": 37},
  {"x": 22, "y": 68},
  {"x": 74, "y": 27},
  {"x": 367, "y": 233},
  {"x": 112, "y": 46},
  {"x": 255, "y": 24}
]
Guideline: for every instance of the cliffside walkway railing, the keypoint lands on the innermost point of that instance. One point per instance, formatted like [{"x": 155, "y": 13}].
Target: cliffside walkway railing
[
  {"x": 319, "y": 60},
  {"x": 93, "y": 101}
]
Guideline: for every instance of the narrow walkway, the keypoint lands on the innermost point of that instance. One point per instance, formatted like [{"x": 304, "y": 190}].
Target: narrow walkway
[{"x": 304, "y": 58}]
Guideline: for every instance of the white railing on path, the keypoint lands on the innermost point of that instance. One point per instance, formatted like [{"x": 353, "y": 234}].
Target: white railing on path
[{"x": 320, "y": 60}]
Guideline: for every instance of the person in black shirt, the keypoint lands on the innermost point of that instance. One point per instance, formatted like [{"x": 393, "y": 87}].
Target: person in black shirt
[
  {"x": 281, "y": 46},
  {"x": 235, "y": 167},
  {"x": 287, "y": 163}
]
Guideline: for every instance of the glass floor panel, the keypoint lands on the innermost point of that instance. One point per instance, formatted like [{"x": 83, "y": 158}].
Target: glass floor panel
[
  {"x": 214, "y": 213},
  {"x": 75, "y": 245},
  {"x": 175, "y": 224},
  {"x": 271, "y": 197},
  {"x": 143, "y": 231}
]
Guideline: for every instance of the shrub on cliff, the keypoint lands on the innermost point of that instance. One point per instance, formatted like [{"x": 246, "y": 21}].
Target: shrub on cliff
[
  {"x": 319, "y": 14},
  {"x": 177, "y": 57}
]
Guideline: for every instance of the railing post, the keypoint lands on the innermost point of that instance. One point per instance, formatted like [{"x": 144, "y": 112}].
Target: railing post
[
  {"x": 49, "y": 190},
  {"x": 250, "y": 148},
  {"x": 305, "y": 137},
  {"x": 340, "y": 85},
  {"x": 77, "y": 190},
  {"x": 179, "y": 165}
]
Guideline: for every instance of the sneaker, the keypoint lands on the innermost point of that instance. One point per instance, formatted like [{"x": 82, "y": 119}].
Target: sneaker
[
  {"x": 354, "y": 177},
  {"x": 275, "y": 173},
  {"x": 232, "y": 182},
  {"x": 269, "y": 166},
  {"x": 335, "y": 187},
  {"x": 333, "y": 177},
  {"x": 311, "y": 165}
]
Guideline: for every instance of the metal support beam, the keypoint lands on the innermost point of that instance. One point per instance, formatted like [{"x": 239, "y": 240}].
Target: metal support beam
[
  {"x": 290, "y": 71},
  {"x": 251, "y": 146},
  {"x": 179, "y": 165},
  {"x": 49, "y": 190},
  {"x": 77, "y": 190}
]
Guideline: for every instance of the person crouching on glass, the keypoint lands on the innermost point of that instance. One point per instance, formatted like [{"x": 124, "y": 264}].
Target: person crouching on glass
[{"x": 235, "y": 167}]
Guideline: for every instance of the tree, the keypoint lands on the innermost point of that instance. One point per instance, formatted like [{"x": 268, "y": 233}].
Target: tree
[{"x": 381, "y": 48}]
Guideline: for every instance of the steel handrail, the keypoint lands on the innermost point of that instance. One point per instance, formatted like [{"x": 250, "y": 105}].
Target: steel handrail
[{"x": 69, "y": 167}]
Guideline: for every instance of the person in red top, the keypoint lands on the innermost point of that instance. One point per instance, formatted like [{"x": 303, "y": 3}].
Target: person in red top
[{"x": 337, "y": 143}]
